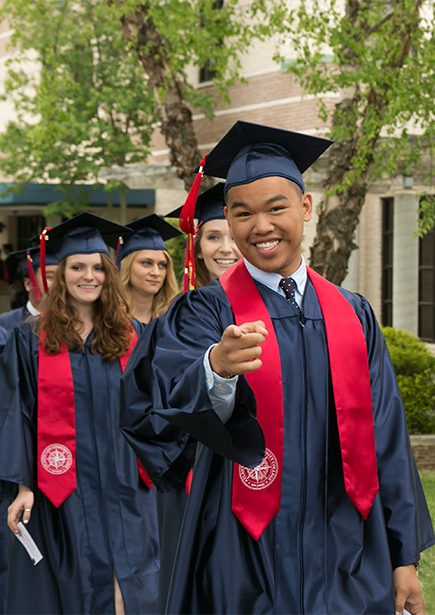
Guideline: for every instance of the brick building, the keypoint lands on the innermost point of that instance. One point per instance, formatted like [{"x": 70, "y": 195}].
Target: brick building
[{"x": 392, "y": 267}]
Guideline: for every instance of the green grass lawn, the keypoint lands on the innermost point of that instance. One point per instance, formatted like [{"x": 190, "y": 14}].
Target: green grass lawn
[{"x": 427, "y": 565}]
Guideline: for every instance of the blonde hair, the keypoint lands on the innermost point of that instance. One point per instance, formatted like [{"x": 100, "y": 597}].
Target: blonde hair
[
  {"x": 112, "y": 327},
  {"x": 166, "y": 294}
]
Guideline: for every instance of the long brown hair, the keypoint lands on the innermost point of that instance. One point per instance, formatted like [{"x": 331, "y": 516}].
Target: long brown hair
[
  {"x": 202, "y": 275},
  {"x": 166, "y": 294},
  {"x": 112, "y": 327}
]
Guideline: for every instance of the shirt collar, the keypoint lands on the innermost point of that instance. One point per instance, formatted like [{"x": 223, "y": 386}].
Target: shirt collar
[
  {"x": 33, "y": 311},
  {"x": 272, "y": 280}
]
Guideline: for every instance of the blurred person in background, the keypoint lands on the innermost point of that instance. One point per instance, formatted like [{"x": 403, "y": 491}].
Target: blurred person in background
[{"x": 146, "y": 269}]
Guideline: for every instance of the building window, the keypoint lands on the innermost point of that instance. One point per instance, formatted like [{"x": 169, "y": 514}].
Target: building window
[
  {"x": 387, "y": 261},
  {"x": 207, "y": 72},
  {"x": 426, "y": 287},
  {"x": 28, "y": 227}
]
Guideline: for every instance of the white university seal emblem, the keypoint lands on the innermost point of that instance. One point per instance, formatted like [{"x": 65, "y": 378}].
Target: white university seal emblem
[
  {"x": 56, "y": 459},
  {"x": 262, "y": 475}
]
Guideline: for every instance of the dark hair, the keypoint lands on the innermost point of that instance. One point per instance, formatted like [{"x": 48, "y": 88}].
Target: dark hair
[{"x": 19, "y": 295}]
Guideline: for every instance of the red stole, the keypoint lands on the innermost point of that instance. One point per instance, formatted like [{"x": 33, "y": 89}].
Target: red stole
[
  {"x": 56, "y": 438},
  {"x": 257, "y": 492}
]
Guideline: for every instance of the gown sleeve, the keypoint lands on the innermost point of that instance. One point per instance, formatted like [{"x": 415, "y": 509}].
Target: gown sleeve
[
  {"x": 166, "y": 452},
  {"x": 17, "y": 412},
  {"x": 192, "y": 324},
  {"x": 407, "y": 518}
]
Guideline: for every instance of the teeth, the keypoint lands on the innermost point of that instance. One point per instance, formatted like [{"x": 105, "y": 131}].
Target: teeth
[
  {"x": 267, "y": 245},
  {"x": 223, "y": 261}
]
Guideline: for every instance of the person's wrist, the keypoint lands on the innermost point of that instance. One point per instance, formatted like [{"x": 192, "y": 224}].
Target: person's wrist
[{"x": 215, "y": 363}]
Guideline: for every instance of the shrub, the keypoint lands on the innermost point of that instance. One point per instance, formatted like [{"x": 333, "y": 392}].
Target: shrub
[{"x": 415, "y": 370}]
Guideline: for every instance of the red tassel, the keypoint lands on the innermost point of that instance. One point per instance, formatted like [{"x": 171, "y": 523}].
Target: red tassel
[
  {"x": 32, "y": 277},
  {"x": 43, "y": 238},
  {"x": 189, "y": 263},
  {"x": 6, "y": 277},
  {"x": 187, "y": 215},
  {"x": 120, "y": 241},
  {"x": 187, "y": 225}
]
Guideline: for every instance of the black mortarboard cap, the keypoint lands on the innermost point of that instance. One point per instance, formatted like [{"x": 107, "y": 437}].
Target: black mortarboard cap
[
  {"x": 209, "y": 205},
  {"x": 51, "y": 258},
  {"x": 85, "y": 233},
  {"x": 148, "y": 233},
  {"x": 249, "y": 152}
]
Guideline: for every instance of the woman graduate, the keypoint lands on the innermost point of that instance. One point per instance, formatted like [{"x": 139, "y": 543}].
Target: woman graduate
[
  {"x": 60, "y": 442},
  {"x": 147, "y": 272},
  {"x": 166, "y": 452},
  {"x": 214, "y": 248}
]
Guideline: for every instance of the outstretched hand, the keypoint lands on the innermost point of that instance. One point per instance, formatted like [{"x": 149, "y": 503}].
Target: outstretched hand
[{"x": 238, "y": 351}]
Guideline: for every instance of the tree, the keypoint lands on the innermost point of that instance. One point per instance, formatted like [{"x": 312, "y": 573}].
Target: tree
[
  {"x": 170, "y": 35},
  {"x": 383, "y": 66},
  {"x": 80, "y": 97}
]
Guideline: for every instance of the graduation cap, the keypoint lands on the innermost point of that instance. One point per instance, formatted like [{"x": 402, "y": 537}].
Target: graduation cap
[
  {"x": 85, "y": 233},
  {"x": 209, "y": 205},
  {"x": 33, "y": 259},
  {"x": 251, "y": 151},
  {"x": 148, "y": 233},
  {"x": 32, "y": 262}
]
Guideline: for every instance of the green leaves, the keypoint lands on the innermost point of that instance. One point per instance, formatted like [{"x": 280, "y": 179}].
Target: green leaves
[
  {"x": 415, "y": 370},
  {"x": 81, "y": 103},
  {"x": 384, "y": 59}
]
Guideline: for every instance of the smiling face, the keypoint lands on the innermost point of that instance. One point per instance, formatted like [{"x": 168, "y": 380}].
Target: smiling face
[
  {"x": 84, "y": 278},
  {"x": 267, "y": 220},
  {"x": 217, "y": 248},
  {"x": 148, "y": 271}
]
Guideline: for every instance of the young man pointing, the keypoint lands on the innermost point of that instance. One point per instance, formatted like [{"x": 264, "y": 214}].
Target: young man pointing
[{"x": 305, "y": 497}]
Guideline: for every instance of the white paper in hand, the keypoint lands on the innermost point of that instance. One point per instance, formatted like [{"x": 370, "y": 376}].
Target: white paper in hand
[{"x": 29, "y": 544}]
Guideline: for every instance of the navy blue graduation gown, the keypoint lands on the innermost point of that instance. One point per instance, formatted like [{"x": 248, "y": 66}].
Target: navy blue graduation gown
[
  {"x": 166, "y": 452},
  {"x": 8, "y": 320},
  {"x": 107, "y": 525},
  {"x": 3, "y": 337},
  {"x": 3, "y": 518},
  {"x": 318, "y": 555},
  {"x": 11, "y": 319}
]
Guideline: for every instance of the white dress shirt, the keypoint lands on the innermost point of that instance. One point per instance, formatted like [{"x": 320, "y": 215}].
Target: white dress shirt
[{"x": 222, "y": 391}]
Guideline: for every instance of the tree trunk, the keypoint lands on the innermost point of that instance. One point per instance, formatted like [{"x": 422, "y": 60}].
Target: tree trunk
[
  {"x": 339, "y": 214},
  {"x": 174, "y": 115}
]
